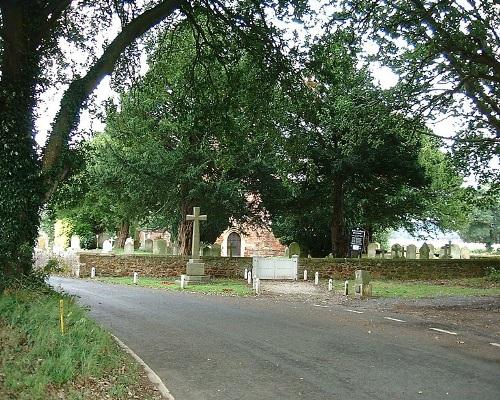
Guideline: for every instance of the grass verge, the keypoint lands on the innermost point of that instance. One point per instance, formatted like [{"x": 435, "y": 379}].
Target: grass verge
[
  {"x": 429, "y": 289},
  {"x": 233, "y": 287},
  {"x": 37, "y": 362}
]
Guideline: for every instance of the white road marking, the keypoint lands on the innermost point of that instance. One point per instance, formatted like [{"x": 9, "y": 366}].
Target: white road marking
[
  {"x": 443, "y": 331},
  {"x": 354, "y": 311},
  {"x": 319, "y": 305},
  {"x": 495, "y": 344},
  {"x": 394, "y": 319}
]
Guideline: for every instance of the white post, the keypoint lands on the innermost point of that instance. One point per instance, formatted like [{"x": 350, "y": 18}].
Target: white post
[
  {"x": 77, "y": 271},
  {"x": 257, "y": 286},
  {"x": 135, "y": 278},
  {"x": 183, "y": 281},
  {"x": 246, "y": 273},
  {"x": 254, "y": 283},
  {"x": 249, "y": 277},
  {"x": 316, "y": 278},
  {"x": 330, "y": 285},
  {"x": 346, "y": 288},
  {"x": 92, "y": 272},
  {"x": 305, "y": 274}
]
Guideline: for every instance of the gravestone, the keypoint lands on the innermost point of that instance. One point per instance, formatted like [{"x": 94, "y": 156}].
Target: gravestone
[
  {"x": 294, "y": 249},
  {"x": 411, "y": 252},
  {"x": 432, "y": 252},
  {"x": 206, "y": 251},
  {"x": 175, "y": 249},
  {"x": 396, "y": 251},
  {"x": 362, "y": 287},
  {"x": 148, "y": 245},
  {"x": 107, "y": 246},
  {"x": 101, "y": 238},
  {"x": 455, "y": 251},
  {"x": 372, "y": 249},
  {"x": 287, "y": 252},
  {"x": 425, "y": 252},
  {"x": 75, "y": 242},
  {"x": 128, "y": 248},
  {"x": 465, "y": 253},
  {"x": 215, "y": 250},
  {"x": 443, "y": 252},
  {"x": 160, "y": 246}
]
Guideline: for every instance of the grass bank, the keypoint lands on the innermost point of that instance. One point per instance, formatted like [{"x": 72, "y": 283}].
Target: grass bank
[
  {"x": 441, "y": 288},
  {"x": 38, "y": 362},
  {"x": 233, "y": 287}
]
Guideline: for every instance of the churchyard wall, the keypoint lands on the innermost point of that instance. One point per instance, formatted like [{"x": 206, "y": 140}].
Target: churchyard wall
[
  {"x": 170, "y": 266},
  {"x": 400, "y": 268},
  {"x": 159, "y": 266}
]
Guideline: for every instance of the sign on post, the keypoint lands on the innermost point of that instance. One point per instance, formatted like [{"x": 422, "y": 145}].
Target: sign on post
[{"x": 357, "y": 239}]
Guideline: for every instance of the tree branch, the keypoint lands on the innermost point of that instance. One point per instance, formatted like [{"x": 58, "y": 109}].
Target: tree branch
[{"x": 77, "y": 93}]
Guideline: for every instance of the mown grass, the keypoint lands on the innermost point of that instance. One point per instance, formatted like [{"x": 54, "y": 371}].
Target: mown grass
[
  {"x": 429, "y": 289},
  {"x": 37, "y": 362},
  {"x": 214, "y": 286}
]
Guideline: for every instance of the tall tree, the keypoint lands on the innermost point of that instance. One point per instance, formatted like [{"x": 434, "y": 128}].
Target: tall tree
[
  {"x": 196, "y": 130},
  {"x": 31, "y": 35},
  {"x": 446, "y": 55},
  {"x": 354, "y": 160}
]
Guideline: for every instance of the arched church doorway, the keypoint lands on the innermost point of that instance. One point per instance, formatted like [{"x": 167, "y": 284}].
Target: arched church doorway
[{"x": 234, "y": 245}]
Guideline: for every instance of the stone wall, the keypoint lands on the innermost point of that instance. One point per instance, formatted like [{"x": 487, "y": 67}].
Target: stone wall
[
  {"x": 158, "y": 266},
  {"x": 170, "y": 266},
  {"x": 398, "y": 269}
]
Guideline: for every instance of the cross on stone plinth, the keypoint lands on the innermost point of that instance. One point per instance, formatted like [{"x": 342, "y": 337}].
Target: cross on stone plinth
[{"x": 196, "y": 218}]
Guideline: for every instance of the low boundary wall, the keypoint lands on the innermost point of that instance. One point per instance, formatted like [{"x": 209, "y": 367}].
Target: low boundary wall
[{"x": 169, "y": 266}]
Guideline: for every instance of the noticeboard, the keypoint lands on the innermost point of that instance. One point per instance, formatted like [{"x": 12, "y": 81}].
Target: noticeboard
[{"x": 357, "y": 239}]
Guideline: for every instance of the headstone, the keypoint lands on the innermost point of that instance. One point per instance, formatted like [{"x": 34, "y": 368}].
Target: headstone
[
  {"x": 215, "y": 250},
  {"x": 465, "y": 253},
  {"x": 287, "y": 252},
  {"x": 175, "y": 249},
  {"x": 294, "y": 249},
  {"x": 205, "y": 251},
  {"x": 372, "y": 249},
  {"x": 396, "y": 251},
  {"x": 107, "y": 246},
  {"x": 128, "y": 248},
  {"x": 425, "y": 252},
  {"x": 101, "y": 238},
  {"x": 183, "y": 281},
  {"x": 257, "y": 286},
  {"x": 246, "y": 273},
  {"x": 432, "y": 252},
  {"x": 411, "y": 252},
  {"x": 148, "y": 245},
  {"x": 443, "y": 253},
  {"x": 363, "y": 288},
  {"x": 75, "y": 242},
  {"x": 455, "y": 251},
  {"x": 160, "y": 246},
  {"x": 92, "y": 272},
  {"x": 330, "y": 285},
  {"x": 249, "y": 277},
  {"x": 135, "y": 278}
]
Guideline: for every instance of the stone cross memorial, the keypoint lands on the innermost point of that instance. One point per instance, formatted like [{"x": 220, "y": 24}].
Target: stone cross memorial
[{"x": 195, "y": 270}]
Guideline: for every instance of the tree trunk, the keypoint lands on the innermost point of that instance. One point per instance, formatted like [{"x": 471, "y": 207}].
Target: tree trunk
[
  {"x": 20, "y": 185},
  {"x": 123, "y": 232},
  {"x": 340, "y": 240},
  {"x": 185, "y": 234}
]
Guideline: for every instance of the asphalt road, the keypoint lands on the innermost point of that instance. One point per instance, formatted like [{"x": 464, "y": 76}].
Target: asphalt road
[{"x": 214, "y": 347}]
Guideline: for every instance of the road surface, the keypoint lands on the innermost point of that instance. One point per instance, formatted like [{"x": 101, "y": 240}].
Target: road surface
[{"x": 215, "y": 347}]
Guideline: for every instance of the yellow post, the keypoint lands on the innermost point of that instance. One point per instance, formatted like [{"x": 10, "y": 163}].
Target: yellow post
[{"x": 61, "y": 314}]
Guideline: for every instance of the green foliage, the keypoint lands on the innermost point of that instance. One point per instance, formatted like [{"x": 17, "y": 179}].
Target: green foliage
[
  {"x": 494, "y": 275},
  {"x": 445, "y": 54},
  {"x": 483, "y": 225},
  {"x": 354, "y": 160}
]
